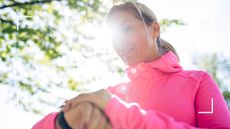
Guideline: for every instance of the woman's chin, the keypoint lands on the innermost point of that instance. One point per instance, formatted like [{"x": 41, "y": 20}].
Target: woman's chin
[{"x": 130, "y": 62}]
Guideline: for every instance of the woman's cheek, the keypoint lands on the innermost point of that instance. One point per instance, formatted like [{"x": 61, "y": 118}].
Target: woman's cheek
[{"x": 141, "y": 44}]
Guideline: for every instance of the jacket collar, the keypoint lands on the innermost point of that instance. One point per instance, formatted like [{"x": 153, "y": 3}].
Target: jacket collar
[{"x": 167, "y": 63}]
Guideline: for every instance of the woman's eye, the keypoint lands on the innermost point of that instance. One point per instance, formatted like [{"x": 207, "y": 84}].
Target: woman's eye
[{"x": 126, "y": 29}]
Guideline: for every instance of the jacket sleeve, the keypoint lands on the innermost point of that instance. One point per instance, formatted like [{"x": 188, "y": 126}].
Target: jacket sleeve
[
  {"x": 119, "y": 90},
  {"x": 130, "y": 116},
  {"x": 210, "y": 103},
  {"x": 48, "y": 122}
]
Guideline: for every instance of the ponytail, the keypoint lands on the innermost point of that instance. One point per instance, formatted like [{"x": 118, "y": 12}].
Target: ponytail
[{"x": 165, "y": 46}]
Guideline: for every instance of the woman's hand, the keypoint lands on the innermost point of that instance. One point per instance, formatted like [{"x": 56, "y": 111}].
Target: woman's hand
[
  {"x": 86, "y": 116},
  {"x": 99, "y": 98}
]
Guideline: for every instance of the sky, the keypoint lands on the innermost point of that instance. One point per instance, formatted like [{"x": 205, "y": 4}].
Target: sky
[{"x": 207, "y": 30}]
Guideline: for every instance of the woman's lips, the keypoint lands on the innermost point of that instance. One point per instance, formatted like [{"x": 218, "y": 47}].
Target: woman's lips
[{"x": 126, "y": 52}]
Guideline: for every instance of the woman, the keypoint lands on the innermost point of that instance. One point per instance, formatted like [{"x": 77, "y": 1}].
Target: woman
[{"x": 160, "y": 94}]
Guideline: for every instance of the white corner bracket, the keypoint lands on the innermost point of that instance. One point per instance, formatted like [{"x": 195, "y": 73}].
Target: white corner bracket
[
  {"x": 18, "y": 18},
  {"x": 208, "y": 112}
]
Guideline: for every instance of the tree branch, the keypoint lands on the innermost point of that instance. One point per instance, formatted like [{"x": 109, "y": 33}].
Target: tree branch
[
  {"x": 26, "y": 3},
  {"x": 6, "y": 21}
]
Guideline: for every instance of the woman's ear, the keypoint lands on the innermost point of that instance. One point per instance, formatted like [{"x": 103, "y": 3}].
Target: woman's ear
[{"x": 155, "y": 29}]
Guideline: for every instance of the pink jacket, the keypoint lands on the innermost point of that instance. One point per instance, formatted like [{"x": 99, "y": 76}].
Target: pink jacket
[{"x": 161, "y": 95}]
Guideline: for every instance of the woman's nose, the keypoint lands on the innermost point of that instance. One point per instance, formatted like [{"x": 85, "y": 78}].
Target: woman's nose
[{"x": 119, "y": 44}]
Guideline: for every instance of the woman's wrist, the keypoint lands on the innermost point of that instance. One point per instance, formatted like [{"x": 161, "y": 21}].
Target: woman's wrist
[{"x": 57, "y": 126}]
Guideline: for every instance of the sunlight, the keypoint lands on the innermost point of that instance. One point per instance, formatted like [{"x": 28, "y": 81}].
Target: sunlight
[{"x": 104, "y": 36}]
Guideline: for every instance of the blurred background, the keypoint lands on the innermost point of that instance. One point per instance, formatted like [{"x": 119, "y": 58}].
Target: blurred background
[{"x": 52, "y": 50}]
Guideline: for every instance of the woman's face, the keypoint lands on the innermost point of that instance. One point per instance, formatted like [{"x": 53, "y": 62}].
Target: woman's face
[{"x": 132, "y": 40}]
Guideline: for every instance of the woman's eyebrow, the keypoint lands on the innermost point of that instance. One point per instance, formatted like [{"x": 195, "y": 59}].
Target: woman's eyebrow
[
  {"x": 125, "y": 22},
  {"x": 122, "y": 23}
]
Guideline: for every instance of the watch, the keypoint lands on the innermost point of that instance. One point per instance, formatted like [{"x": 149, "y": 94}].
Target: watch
[{"x": 62, "y": 122}]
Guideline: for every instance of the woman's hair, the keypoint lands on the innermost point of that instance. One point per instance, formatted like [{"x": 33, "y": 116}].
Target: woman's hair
[{"x": 143, "y": 13}]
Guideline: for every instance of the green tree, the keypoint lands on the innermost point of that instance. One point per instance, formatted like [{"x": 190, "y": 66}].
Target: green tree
[{"x": 37, "y": 45}]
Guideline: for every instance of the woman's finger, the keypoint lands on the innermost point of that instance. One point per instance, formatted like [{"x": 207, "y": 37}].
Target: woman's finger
[
  {"x": 103, "y": 122},
  {"x": 77, "y": 117},
  {"x": 108, "y": 126},
  {"x": 67, "y": 106},
  {"x": 86, "y": 111},
  {"x": 95, "y": 118},
  {"x": 99, "y": 98}
]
